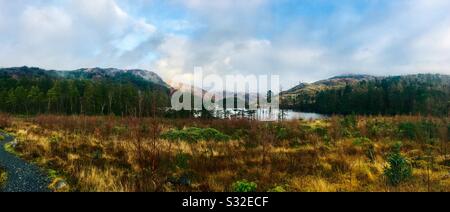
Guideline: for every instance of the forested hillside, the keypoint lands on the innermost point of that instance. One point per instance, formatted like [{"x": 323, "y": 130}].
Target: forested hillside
[
  {"x": 91, "y": 91},
  {"x": 425, "y": 94}
]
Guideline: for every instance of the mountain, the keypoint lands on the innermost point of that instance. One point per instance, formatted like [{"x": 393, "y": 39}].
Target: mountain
[
  {"x": 329, "y": 83},
  {"x": 365, "y": 94},
  {"x": 111, "y": 73},
  {"x": 133, "y": 75},
  {"x": 94, "y": 91},
  {"x": 308, "y": 90}
]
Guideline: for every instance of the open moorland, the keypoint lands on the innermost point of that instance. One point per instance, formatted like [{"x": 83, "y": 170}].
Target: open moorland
[{"x": 341, "y": 153}]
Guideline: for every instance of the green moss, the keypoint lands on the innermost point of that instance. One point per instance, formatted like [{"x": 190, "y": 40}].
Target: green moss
[
  {"x": 9, "y": 148},
  {"x": 277, "y": 189},
  {"x": 59, "y": 183},
  {"x": 52, "y": 174},
  {"x": 194, "y": 135},
  {"x": 244, "y": 186}
]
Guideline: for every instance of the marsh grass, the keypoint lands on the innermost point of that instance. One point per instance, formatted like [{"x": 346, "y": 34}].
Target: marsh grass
[{"x": 339, "y": 154}]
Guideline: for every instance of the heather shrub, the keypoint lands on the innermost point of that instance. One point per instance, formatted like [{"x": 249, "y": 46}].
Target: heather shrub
[
  {"x": 244, "y": 186},
  {"x": 194, "y": 135}
]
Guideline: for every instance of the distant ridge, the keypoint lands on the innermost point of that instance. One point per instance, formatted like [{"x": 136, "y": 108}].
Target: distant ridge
[
  {"x": 85, "y": 73},
  {"x": 342, "y": 80},
  {"x": 366, "y": 94}
]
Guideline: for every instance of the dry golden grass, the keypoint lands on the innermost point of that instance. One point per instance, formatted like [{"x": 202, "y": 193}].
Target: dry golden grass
[
  {"x": 115, "y": 154},
  {"x": 3, "y": 177}
]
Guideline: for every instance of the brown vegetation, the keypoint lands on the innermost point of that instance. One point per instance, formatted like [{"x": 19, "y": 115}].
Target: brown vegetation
[{"x": 339, "y": 154}]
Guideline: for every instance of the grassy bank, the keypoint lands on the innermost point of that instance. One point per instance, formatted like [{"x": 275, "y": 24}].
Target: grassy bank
[
  {"x": 340, "y": 154},
  {"x": 3, "y": 177}
]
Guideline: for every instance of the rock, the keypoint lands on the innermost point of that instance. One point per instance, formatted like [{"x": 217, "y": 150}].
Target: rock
[
  {"x": 14, "y": 144},
  {"x": 61, "y": 184}
]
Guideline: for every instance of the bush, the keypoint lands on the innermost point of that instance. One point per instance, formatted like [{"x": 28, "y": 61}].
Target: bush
[
  {"x": 349, "y": 126},
  {"x": 349, "y": 122},
  {"x": 321, "y": 132},
  {"x": 282, "y": 133},
  {"x": 194, "y": 135},
  {"x": 244, "y": 186},
  {"x": 368, "y": 147},
  {"x": 277, "y": 189},
  {"x": 361, "y": 141},
  {"x": 428, "y": 130},
  {"x": 379, "y": 129},
  {"x": 182, "y": 160},
  {"x": 407, "y": 130},
  {"x": 399, "y": 169},
  {"x": 424, "y": 130}
]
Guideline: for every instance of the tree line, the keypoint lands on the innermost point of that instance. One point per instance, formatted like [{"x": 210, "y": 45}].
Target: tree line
[
  {"x": 421, "y": 94},
  {"x": 79, "y": 96}
]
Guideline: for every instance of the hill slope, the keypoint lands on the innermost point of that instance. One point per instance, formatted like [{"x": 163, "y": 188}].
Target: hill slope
[
  {"x": 96, "y": 91},
  {"x": 112, "y": 74},
  {"x": 363, "y": 94}
]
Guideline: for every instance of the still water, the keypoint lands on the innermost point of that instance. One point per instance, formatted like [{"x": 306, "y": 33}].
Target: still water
[{"x": 269, "y": 115}]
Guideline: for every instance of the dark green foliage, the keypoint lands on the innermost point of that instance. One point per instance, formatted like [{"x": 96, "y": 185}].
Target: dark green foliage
[
  {"x": 421, "y": 131},
  {"x": 98, "y": 154},
  {"x": 320, "y": 131},
  {"x": 399, "y": 169},
  {"x": 407, "y": 130},
  {"x": 424, "y": 94},
  {"x": 194, "y": 135},
  {"x": 361, "y": 141},
  {"x": 277, "y": 189},
  {"x": 33, "y": 91},
  {"x": 349, "y": 126},
  {"x": 244, "y": 186},
  {"x": 428, "y": 130},
  {"x": 182, "y": 160},
  {"x": 282, "y": 133}
]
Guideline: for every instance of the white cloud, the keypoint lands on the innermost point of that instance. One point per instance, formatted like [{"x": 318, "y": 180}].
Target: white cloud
[
  {"x": 44, "y": 24},
  {"x": 214, "y": 6},
  {"x": 388, "y": 37},
  {"x": 70, "y": 34}
]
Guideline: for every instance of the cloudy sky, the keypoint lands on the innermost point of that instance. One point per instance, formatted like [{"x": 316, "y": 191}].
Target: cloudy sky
[{"x": 302, "y": 40}]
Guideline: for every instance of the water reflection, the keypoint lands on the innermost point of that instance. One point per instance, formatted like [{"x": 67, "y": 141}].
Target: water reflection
[{"x": 267, "y": 114}]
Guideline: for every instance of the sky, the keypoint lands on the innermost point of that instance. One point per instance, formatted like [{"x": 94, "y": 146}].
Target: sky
[{"x": 300, "y": 40}]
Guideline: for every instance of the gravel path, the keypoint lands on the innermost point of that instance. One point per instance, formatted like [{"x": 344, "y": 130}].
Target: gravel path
[{"x": 22, "y": 176}]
